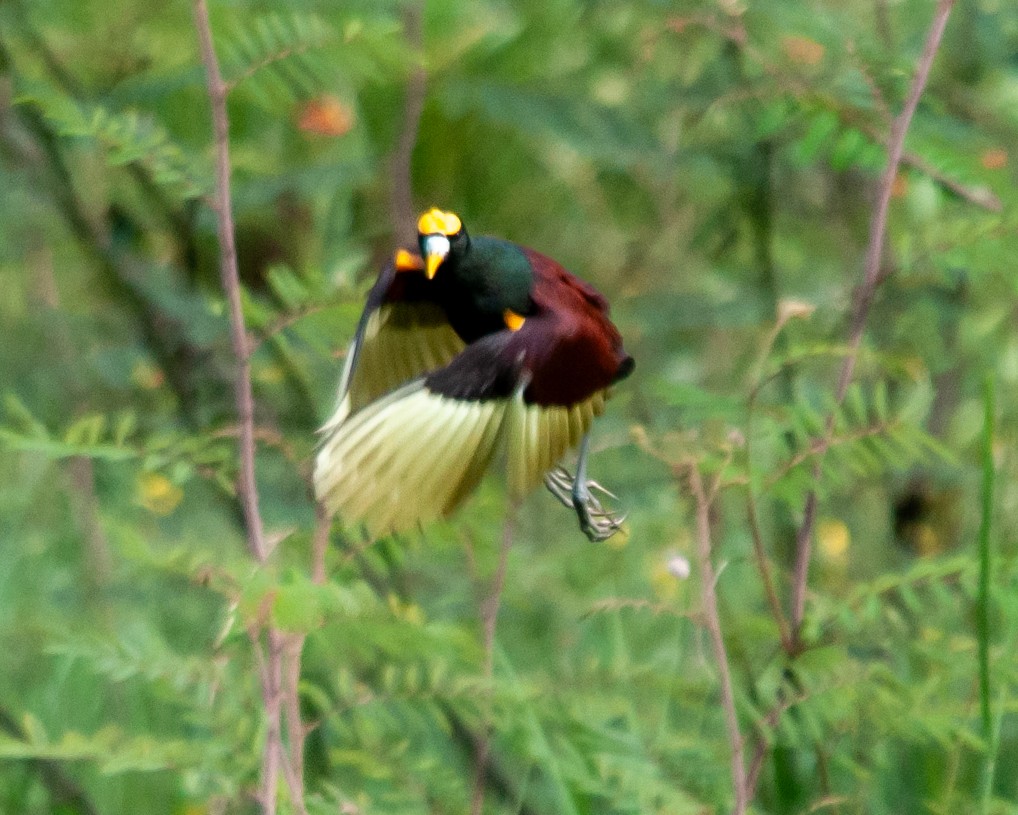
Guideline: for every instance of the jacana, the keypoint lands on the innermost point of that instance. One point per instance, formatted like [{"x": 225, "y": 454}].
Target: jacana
[{"x": 474, "y": 349}]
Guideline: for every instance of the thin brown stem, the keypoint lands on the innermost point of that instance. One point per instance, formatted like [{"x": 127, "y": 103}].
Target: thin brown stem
[
  {"x": 291, "y": 647},
  {"x": 883, "y": 23},
  {"x": 770, "y": 720},
  {"x": 489, "y": 620},
  {"x": 978, "y": 196},
  {"x": 712, "y": 619},
  {"x": 615, "y": 604},
  {"x": 267, "y": 436},
  {"x": 269, "y": 672},
  {"x": 320, "y": 544},
  {"x": 279, "y": 663},
  {"x": 401, "y": 201},
  {"x": 878, "y": 224},
  {"x": 819, "y": 447},
  {"x": 217, "y": 88},
  {"x": 763, "y": 565},
  {"x": 285, "y": 321},
  {"x": 265, "y": 62},
  {"x": 803, "y": 555},
  {"x": 872, "y": 277}
]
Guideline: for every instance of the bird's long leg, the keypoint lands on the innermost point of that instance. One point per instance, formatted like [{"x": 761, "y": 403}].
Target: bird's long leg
[{"x": 597, "y": 523}]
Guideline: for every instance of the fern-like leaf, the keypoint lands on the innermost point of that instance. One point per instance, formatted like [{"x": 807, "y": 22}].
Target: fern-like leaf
[
  {"x": 279, "y": 58},
  {"x": 124, "y": 137}
]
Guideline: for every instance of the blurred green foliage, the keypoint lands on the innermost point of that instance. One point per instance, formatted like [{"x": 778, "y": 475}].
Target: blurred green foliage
[{"x": 709, "y": 167}]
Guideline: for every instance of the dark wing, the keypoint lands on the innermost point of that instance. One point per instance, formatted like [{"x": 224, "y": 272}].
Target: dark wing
[{"x": 400, "y": 335}]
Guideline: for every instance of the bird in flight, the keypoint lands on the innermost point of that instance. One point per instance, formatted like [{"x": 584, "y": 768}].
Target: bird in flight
[{"x": 472, "y": 350}]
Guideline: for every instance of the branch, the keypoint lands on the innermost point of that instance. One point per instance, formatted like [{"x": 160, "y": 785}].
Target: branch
[
  {"x": 320, "y": 544},
  {"x": 764, "y": 567},
  {"x": 489, "y": 617},
  {"x": 217, "y": 88},
  {"x": 819, "y": 447},
  {"x": 284, "y": 321},
  {"x": 864, "y": 300},
  {"x": 283, "y": 657},
  {"x": 270, "y": 675},
  {"x": 402, "y": 203},
  {"x": 712, "y": 618},
  {"x": 614, "y": 604},
  {"x": 759, "y": 550},
  {"x": 978, "y": 196},
  {"x": 763, "y": 742},
  {"x": 265, "y": 62},
  {"x": 289, "y": 648},
  {"x": 878, "y": 225}
]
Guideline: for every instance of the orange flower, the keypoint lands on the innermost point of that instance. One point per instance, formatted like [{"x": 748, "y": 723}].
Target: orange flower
[
  {"x": 325, "y": 116},
  {"x": 995, "y": 159},
  {"x": 802, "y": 50}
]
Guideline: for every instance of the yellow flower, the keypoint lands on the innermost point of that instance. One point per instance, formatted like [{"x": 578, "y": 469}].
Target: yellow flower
[
  {"x": 158, "y": 494},
  {"x": 833, "y": 537},
  {"x": 408, "y": 612}
]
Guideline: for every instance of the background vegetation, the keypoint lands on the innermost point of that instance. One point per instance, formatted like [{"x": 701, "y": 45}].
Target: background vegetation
[{"x": 713, "y": 168}]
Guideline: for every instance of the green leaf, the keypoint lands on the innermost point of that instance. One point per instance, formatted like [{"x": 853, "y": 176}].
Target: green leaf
[{"x": 297, "y": 606}]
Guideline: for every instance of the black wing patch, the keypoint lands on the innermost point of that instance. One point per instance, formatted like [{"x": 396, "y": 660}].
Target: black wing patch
[{"x": 485, "y": 369}]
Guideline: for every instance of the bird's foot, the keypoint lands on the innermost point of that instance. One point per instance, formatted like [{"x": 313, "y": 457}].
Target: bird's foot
[{"x": 596, "y": 522}]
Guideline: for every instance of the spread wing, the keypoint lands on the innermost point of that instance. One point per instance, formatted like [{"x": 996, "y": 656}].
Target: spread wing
[
  {"x": 400, "y": 335},
  {"x": 407, "y": 458},
  {"x": 416, "y": 454}
]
